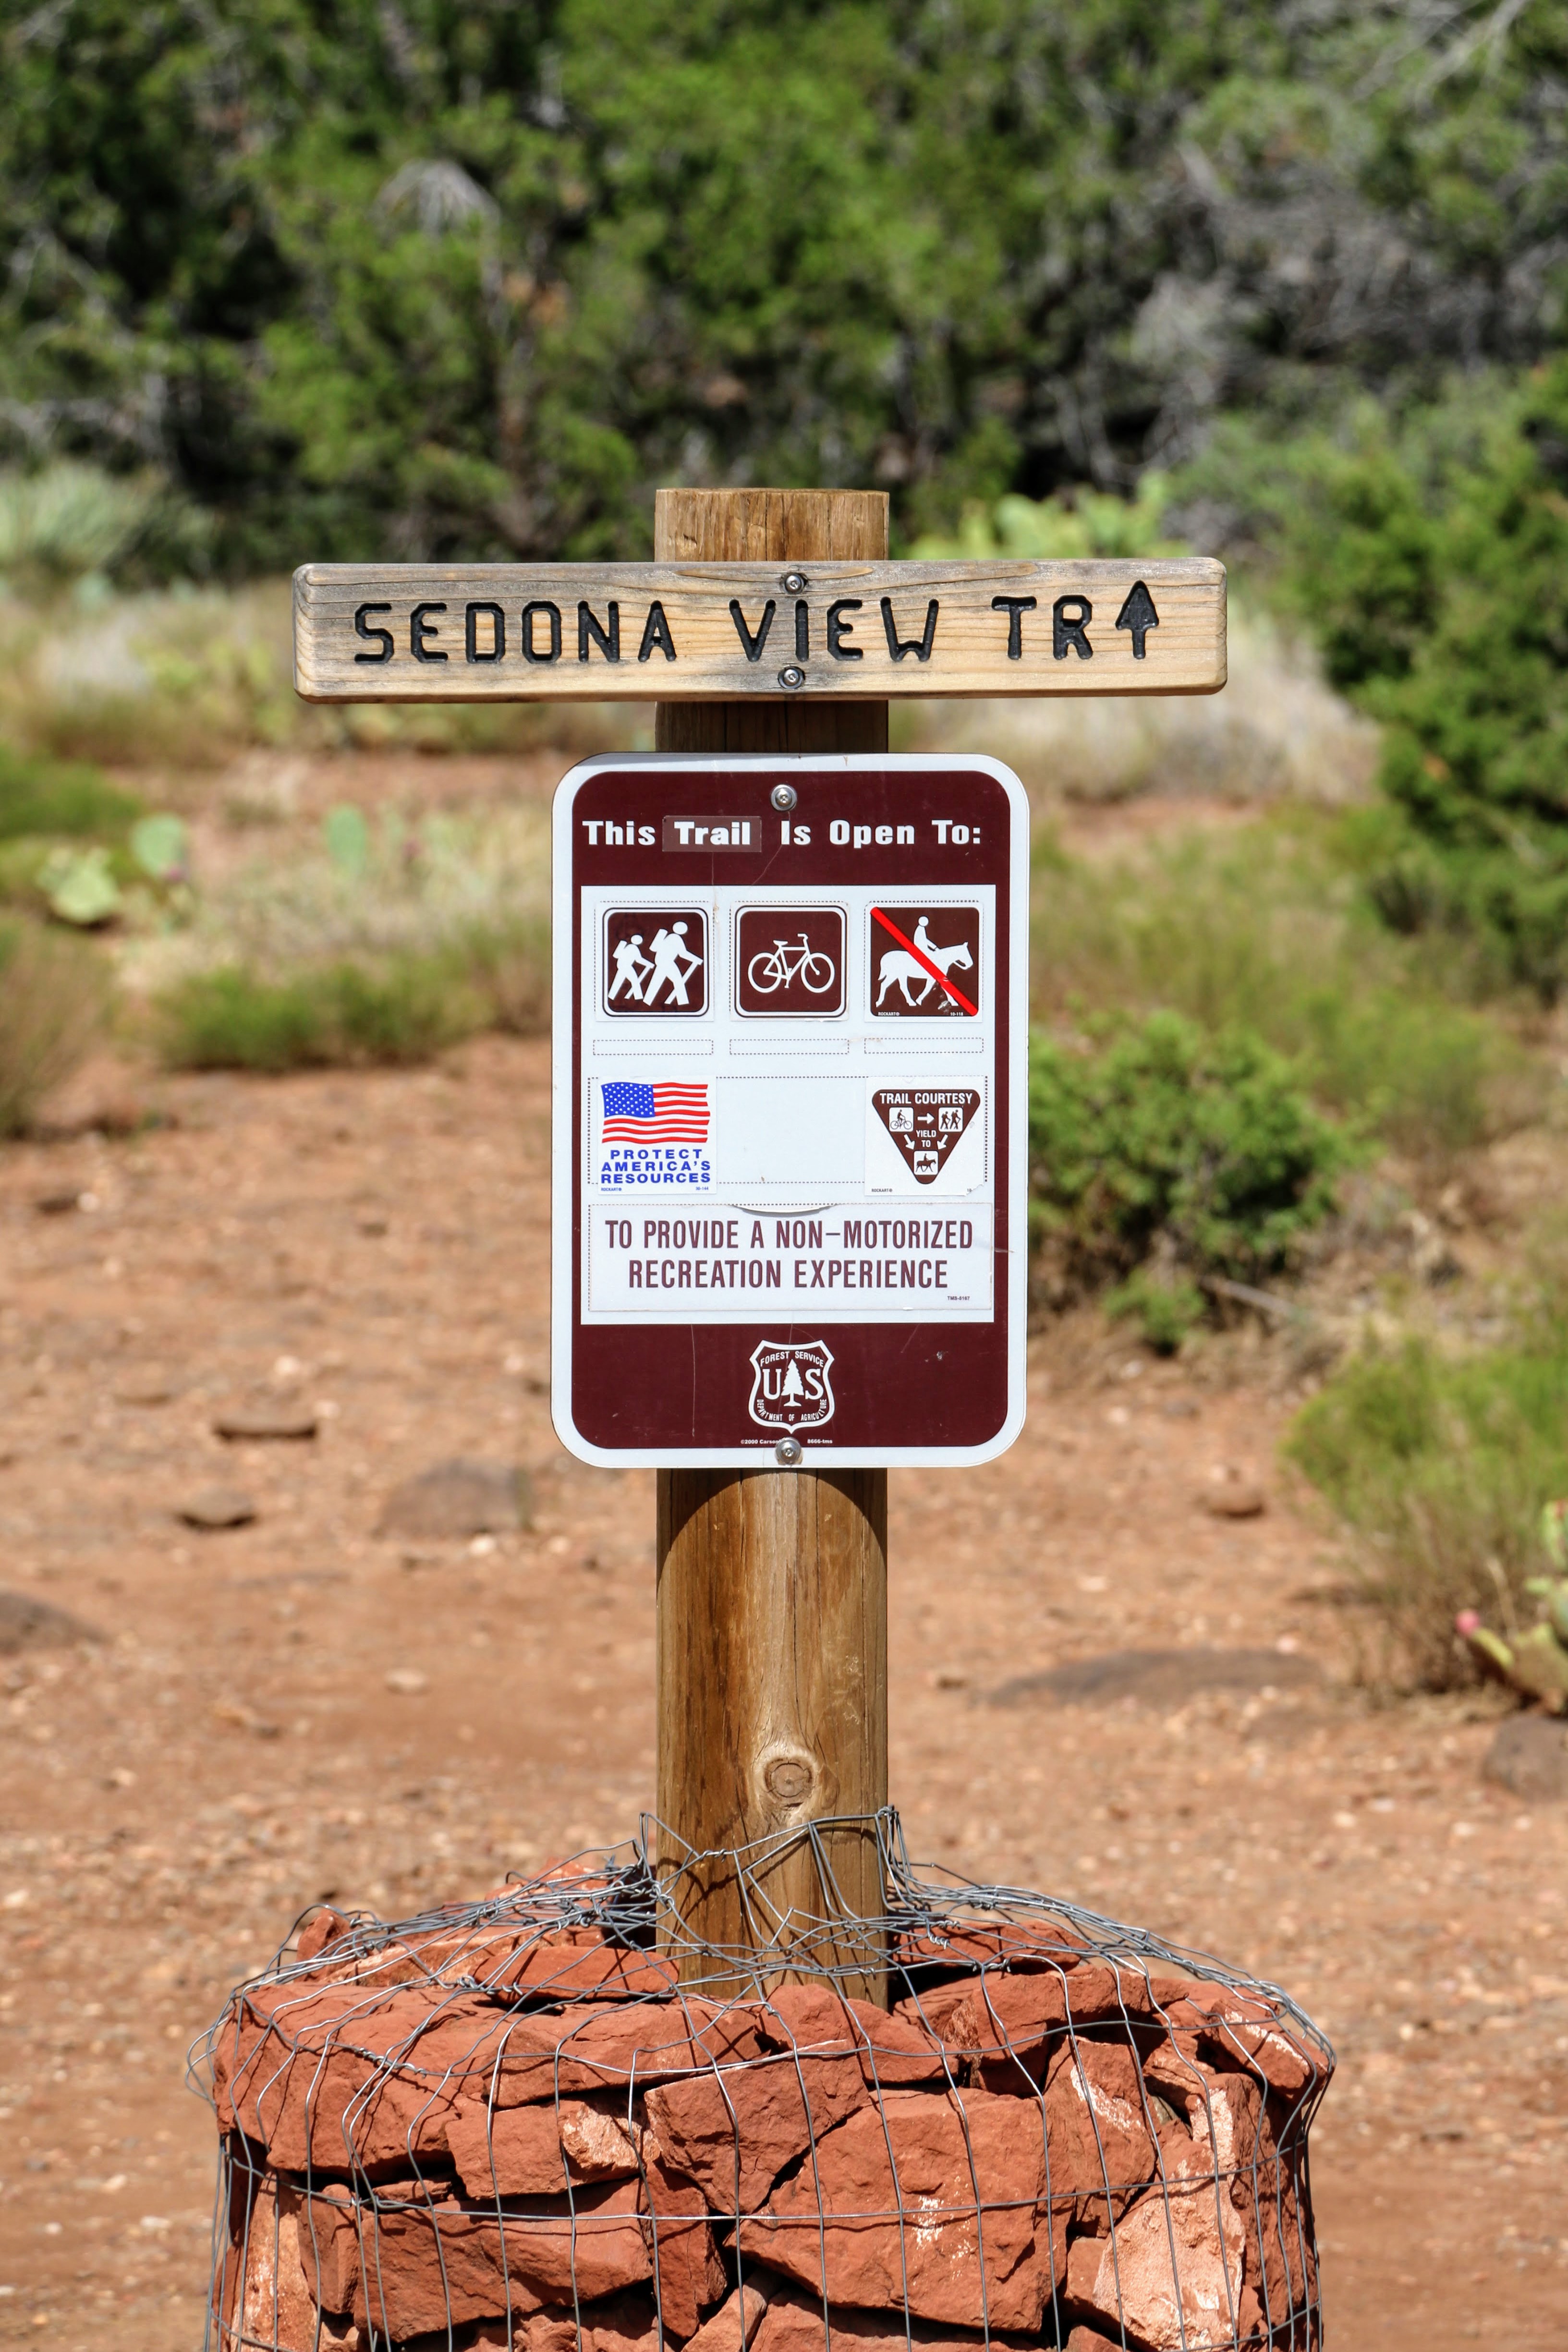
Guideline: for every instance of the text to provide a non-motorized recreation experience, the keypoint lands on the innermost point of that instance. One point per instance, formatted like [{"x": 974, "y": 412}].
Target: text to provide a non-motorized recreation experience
[{"x": 789, "y": 1038}]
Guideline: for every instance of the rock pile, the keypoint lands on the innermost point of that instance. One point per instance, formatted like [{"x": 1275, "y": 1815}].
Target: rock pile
[{"x": 510, "y": 2126}]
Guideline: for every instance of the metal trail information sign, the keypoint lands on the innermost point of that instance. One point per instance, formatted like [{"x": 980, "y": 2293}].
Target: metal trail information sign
[
  {"x": 727, "y": 632},
  {"x": 789, "y": 1116}
]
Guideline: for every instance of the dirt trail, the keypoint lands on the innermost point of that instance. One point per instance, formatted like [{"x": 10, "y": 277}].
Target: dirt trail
[{"x": 232, "y": 1748}]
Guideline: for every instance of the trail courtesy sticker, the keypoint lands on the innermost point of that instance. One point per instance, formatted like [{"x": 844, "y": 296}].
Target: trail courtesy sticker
[{"x": 925, "y": 1122}]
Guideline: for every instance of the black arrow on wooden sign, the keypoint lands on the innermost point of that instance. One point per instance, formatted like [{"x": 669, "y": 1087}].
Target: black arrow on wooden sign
[{"x": 1138, "y": 614}]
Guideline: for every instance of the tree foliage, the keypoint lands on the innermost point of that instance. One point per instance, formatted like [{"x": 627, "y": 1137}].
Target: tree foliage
[
  {"x": 1430, "y": 558},
  {"x": 370, "y": 277}
]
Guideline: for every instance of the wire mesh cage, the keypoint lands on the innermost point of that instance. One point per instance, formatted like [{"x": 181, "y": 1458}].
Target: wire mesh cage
[{"x": 555, "y": 2120}]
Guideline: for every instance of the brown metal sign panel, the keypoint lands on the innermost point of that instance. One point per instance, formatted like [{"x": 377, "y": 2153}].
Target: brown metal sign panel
[
  {"x": 706, "y": 631},
  {"x": 789, "y": 1087}
]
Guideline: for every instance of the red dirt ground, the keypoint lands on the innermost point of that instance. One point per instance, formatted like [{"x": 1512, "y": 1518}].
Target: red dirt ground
[{"x": 233, "y": 1749}]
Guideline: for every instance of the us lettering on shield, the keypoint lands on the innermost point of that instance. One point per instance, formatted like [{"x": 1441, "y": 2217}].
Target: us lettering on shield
[{"x": 790, "y": 1387}]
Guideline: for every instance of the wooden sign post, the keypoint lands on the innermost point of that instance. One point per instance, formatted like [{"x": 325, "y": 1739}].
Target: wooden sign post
[
  {"x": 772, "y": 623},
  {"x": 773, "y": 1584}
]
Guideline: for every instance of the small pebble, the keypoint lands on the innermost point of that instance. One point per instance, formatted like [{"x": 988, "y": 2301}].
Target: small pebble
[
  {"x": 218, "y": 1506},
  {"x": 263, "y": 1421}
]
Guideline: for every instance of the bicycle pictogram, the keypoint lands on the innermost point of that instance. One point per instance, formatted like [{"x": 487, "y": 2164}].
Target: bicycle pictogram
[{"x": 789, "y": 960}]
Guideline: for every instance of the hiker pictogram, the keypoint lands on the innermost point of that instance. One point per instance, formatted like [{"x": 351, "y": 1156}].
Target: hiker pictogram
[
  {"x": 789, "y": 960},
  {"x": 656, "y": 959},
  {"x": 926, "y": 1123},
  {"x": 925, "y": 962}
]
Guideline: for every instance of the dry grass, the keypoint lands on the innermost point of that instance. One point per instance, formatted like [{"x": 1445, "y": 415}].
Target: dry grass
[
  {"x": 1275, "y": 731},
  {"x": 54, "y": 998},
  {"x": 191, "y": 677},
  {"x": 1438, "y": 1468}
]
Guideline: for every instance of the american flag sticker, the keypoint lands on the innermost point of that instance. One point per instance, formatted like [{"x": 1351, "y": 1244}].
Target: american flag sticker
[{"x": 634, "y": 1111}]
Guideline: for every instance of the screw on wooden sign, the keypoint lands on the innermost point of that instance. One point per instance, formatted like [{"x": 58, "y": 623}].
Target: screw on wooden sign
[{"x": 499, "y": 633}]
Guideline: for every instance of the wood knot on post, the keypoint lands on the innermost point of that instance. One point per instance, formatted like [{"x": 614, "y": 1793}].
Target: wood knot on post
[{"x": 792, "y": 1784}]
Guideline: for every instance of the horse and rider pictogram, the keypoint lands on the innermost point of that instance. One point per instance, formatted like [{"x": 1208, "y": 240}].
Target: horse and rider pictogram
[{"x": 925, "y": 962}]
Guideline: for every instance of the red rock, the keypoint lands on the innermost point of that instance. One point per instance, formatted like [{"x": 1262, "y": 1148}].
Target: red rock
[
  {"x": 930, "y": 2010},
  {"x": 1009, "y": 2025},
  {"x": 1017, "y": 1944},
  {"x": 515, "y": 1953},
  {"x": 326, "y": 2078},
  {"x": 323, "y": 1926},
  {"x": 599, "y": 2045},
  {"x": 511, "y": 1956},
  {"x": 262, "y": 2292},
  {"x": 405, "y": 2268},
  {"x": 1090, "y": 2339},
  {"x": 537, "y": 2150},
  {"x": 1128, "y": 2280},
  {"x": 326, "y": 2237},
  {"x": 344, "y": 2076},
  {"x": 580, "y": 1967},
  {"x": 599, "y": 2146},
  {"x": 891, "y": 2050},
  {"x": 507, "y": 2151},
  {"x": 889, "y": 2197},
  {"x": 735, "y": 2130},
  {"x": 734, "y": 2325},
  {"x": 688, "y": 2275},
  {"x": 680, "y": 2251},
  {"x": 1245, "y": 2030},
  {"x": 1099, "y": 2145},
  {"x": 793, "y": 2323},
  {"x": 1226, "y": 2107},
  {"x": 624, "y": 2323}
]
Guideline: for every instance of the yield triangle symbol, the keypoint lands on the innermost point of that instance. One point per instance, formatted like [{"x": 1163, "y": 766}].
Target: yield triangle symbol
[{"x": 926, "y": 1122}]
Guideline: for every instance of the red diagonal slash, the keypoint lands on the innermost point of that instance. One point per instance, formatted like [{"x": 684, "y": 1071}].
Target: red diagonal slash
[{"x": 925, "y": 962}]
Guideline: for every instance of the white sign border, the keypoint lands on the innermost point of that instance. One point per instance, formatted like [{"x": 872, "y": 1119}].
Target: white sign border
[{"x": 564, "y": 1173}]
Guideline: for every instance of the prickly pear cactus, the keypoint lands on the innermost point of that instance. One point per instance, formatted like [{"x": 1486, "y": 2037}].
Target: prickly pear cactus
[{"x": 1534, "y": 1663}]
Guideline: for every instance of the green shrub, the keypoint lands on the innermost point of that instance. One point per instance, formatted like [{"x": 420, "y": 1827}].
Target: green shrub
[
  {"x": 1202, "y": 1152},
  {"x": 402, "y": 1010},
  {"x": 1076, "y": 523},
  {"x": 1442, "y": 1469},
  {"x": 40, "y": 796},
  {"x": 69, "y": 519},
  {"x": 1267, "y": 928},
  {"x": 54, "y": 995},
  {"x": 1166, "y": 1307}
]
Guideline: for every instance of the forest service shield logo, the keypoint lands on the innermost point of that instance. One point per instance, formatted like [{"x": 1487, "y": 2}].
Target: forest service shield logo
[{"x": 790, "y": 1387}]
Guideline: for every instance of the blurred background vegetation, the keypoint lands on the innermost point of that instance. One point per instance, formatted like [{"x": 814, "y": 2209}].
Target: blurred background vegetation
[
  {"x": 1283, "y": 283},
  {"x": 394, "y": 278}
]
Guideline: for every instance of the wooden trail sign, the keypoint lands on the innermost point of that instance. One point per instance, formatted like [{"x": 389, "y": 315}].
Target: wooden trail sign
[
  {"x": 733, "y": 631},
  {"x": 769, "y": 622}
]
